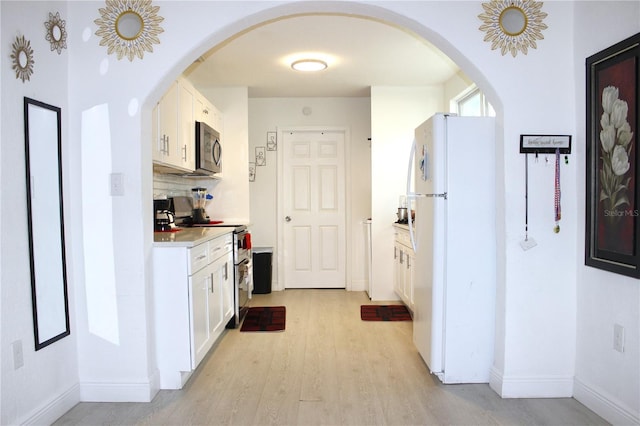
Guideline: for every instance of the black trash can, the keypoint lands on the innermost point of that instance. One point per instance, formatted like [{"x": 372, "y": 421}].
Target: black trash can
[{"x": 262, "y": 258}]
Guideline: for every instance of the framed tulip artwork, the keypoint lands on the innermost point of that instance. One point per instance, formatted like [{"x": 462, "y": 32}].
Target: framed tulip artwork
[{"x": 612, "y": 233}]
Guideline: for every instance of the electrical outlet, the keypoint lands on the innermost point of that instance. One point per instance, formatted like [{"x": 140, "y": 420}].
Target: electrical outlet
[
  {"x": 117, "y": 184},
  {"x": 18, "y": 358},
  {"x": 618, "y": 337}
]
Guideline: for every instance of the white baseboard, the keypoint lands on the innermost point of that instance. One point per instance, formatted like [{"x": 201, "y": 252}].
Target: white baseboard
[
  {"x": 531, "y": 386},
  {"x": 55, "y": 408},
  {"x": 119, "y": 392},
  {"x": 604, "y": 405}
]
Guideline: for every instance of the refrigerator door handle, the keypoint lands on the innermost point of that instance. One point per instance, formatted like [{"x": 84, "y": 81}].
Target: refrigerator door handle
[{"x": 411, "y": 195}]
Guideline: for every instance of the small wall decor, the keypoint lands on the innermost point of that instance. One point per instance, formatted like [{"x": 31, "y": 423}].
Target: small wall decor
[
  {"x": 22, "y": 58},
  {"x": 252, "y": 172},
  {"x": 261, "y": 156},
  {"x": 129, "y": 27},
  {"x": 612, "y": 228},
  {"x": 545, "y": 144},
  {"x": 513, "y": 25},
  {"x": 56, "y": 32},
  {"x": 272, "y": 144}
]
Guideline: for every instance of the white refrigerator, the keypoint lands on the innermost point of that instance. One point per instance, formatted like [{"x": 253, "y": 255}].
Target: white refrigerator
[{"x": 451, "y": 182}]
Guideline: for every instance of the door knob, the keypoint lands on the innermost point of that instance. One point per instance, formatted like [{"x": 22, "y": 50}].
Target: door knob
[{"x": 287, "y": 219}]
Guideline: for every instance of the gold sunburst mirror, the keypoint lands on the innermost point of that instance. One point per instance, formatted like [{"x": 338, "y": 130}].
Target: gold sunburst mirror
[
  {"x": 513, "y": 25},
  {"x": 56, "y": 32},
  {"x": 22, "y": 58},
  {"x": 129, "y": 27}
]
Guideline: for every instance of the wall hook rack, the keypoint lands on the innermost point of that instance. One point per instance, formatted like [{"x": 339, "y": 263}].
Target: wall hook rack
[{"x": 546, "y": 144}]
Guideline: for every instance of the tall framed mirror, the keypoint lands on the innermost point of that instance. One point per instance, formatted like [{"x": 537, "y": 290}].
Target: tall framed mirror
[{"x": 43, "y": 157}]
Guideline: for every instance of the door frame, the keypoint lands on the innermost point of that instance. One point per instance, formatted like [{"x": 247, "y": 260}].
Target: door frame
[{"x": 280, "y": 203}]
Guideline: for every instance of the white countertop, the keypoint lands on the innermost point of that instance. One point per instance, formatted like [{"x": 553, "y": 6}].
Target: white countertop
[
  {"x": 188, "y": 237},
  {"x": 401, "y": 226}
]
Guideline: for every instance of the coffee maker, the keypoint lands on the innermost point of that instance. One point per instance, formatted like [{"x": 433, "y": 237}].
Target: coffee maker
[{"x": 163, "y": 218}]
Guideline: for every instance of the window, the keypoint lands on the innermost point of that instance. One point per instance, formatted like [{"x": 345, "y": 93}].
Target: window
[{"x": 472, "y": 102}]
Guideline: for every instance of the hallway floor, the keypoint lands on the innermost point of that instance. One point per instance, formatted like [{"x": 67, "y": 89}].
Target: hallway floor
[{"x": 327, "y": 368}]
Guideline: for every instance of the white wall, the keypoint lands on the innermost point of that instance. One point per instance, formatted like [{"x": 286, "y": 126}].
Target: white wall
[
  {"x": 269, "y": 114},
  {"x": 541, "y": 292},
  {"x": 395, "y": 113},
  {"x": 231, "y": 194},
  {"x": 50, "y": 374},
  {"x": 605, "y": 380}
]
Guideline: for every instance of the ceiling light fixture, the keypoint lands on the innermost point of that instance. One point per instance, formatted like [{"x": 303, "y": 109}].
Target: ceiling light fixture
[{"x": 309, "y": 65}]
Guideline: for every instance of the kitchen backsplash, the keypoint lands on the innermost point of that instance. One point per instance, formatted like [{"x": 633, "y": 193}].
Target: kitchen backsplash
[{"x": 169, "y": 185}]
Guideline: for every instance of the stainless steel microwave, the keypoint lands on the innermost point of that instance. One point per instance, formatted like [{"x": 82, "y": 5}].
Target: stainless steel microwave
[{"x": 208, "y": 149}]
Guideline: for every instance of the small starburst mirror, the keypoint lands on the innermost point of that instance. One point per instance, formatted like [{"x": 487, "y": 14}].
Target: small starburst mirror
[
  {"x": 513, "y": 21},
  {"x": 513, "y": 25},
  {"x": 129, "y": 25}
]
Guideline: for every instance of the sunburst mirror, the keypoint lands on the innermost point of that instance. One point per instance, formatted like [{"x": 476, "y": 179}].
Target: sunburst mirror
[
  {"x": 129, "y": 27},
  {"x": 56, "y": 32},
  {"x": 22, "y": 58},
  {"x": 513, "y": 25}
]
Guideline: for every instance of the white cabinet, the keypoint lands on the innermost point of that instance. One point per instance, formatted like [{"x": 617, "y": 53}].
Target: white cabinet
[
  {"x": 206, "y": 112},
  {"x": 174, "y": 127},
  {"x": 403, "y": 263},
  {"x": 165, "y": 130},
  {"x": 228, "y": 290},
  {"x": 191, "y": 288},
  {"x": 186, "y": 126}
]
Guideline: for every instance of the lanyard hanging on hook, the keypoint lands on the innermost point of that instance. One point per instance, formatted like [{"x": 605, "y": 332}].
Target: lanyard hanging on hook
[{"x": 556, "y": 201}]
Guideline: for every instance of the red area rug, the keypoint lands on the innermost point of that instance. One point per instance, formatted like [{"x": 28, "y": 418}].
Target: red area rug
[
  {"x": 384, "y": 313},
  {"x": 265, "y": 318}
]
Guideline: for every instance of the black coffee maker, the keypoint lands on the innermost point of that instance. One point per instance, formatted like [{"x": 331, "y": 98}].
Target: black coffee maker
[{"x": 163, "y": 217}]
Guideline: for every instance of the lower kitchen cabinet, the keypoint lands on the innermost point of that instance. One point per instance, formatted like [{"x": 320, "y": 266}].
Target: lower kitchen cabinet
[
  {"x": 191, "y": 305},
  {"x": 403, "y": 265}
]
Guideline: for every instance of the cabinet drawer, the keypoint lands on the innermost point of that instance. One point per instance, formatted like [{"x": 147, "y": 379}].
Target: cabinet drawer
[
  {"x": 403, "y": 238},
  {"x": 220, "y": 246},
  {"x": 198, "y": 258}
]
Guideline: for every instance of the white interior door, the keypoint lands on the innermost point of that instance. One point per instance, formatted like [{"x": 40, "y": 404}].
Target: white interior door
[{"x": 313, "y": 219}]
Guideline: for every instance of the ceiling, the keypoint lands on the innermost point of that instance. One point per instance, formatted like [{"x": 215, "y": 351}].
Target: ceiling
[{"x": 360, "y": 52}]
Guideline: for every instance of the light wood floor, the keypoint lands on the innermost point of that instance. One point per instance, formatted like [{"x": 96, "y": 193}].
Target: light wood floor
[{"x": 327, "y": 368}]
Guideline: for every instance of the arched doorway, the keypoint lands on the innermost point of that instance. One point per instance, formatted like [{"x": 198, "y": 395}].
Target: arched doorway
[{"x": 269, "y": 21}]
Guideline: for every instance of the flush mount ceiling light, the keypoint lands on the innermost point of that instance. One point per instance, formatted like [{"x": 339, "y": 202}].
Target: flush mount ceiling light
[{"x": 309, "y": 65}]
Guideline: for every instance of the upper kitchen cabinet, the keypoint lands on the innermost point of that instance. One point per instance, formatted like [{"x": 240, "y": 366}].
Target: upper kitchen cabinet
[
  {"x": 174, "y": 127},
  {"x": 206, "y": 112},
  {"x": 186, "y": 126},
  {"x": 165, "y": 128}
]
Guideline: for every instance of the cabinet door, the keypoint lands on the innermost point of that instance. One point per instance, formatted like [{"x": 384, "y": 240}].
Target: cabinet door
[
  {"x": 216, "y": 269},
  {"x": 408, "y": 278},
  {"x": 186, "y": 128},
  {"x": 228, "y": 289},
  {"x": 200, "y": 285},
  {"x": 398, "y": 272},
  {"x": 168, "y": 126}
]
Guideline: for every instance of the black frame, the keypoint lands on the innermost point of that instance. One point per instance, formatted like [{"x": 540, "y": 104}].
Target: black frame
[
  {"x": 612, "y": 234},
  {"x": 57, "y": 164}
]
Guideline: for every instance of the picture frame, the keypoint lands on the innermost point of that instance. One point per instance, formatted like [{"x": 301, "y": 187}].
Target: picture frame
[
  {"x": 261, "y": 156},
  {"x": 612, "y": 234},
  {"x": 272, "y": 143},
  {"x": 252, "y": 172},
  {"x": 545, "y": 144}
]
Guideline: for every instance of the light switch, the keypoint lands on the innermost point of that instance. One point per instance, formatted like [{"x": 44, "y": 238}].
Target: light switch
[
  {"x": 18, "y": 356},
  {"x": 618, "y": 337},
  {"x": 117, "y": 184}
]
